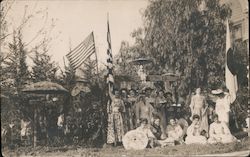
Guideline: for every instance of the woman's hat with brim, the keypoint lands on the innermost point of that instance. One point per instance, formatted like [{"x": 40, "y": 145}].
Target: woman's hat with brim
[{"x": 217, "y": 91}]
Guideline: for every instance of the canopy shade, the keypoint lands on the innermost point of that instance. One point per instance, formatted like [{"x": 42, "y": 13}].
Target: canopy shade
[
  {"x": 170, "y": 76},
  {"x": 45, "y": 87},
  {"x": 141, "y": 61}
]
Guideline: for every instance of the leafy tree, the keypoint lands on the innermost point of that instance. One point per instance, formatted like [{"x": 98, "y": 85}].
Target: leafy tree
[
  {"x": 123, "y": 60},
  {"x": 180, "y": 37},
  {"x": 44, "y": 68},
  {"x": 68, "y": 77},
  {"x": 15, "y": 66},
  {"x": 15, "y": 76},
  {"x": 241, "y": 61},
  {"x": 89, "y": 70}
]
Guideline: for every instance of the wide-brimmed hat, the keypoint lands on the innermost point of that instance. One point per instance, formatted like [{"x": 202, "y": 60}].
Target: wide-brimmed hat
[{"x": 217, "y": 91}]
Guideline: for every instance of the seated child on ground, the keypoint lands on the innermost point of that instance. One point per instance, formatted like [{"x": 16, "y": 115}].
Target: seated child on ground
[{"x": 219, "y": 132}]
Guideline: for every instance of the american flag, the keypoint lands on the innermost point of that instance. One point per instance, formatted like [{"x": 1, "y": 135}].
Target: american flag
[
  {"x": 110, "y": 79},
  {"x": 83, "y": 51}
]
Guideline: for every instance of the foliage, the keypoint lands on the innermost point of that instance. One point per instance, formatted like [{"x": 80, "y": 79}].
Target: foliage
[
  {"x": 89, "y": 70},
  {"x": 13, "y": 66},
  {"x": 123, "y": 66},
  {"x": 178, "y": 36},
  {"x": 241, "y": 58},
  {"x": 15, "y": 76},
  {"x": 68, "y": 77},
  {"x": 44, "y": 68}
]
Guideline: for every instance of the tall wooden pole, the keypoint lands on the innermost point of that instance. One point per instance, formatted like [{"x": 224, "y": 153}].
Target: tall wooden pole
[
  {"x": 35, "y": 123},
  {"x": 248, "y": 101},
  {"x": 34, "y": 103}
]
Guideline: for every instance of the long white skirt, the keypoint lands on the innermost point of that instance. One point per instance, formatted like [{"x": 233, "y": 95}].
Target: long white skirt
[
  {"x": 228, "y": 138},
  {"x": 196, "y": 139}
]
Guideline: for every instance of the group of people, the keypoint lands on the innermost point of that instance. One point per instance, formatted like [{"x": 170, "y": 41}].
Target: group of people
[
  {"x": 55, "y": 125},
  {"x": 154, "y": 112},
  {"x": 165, "y": 122}
]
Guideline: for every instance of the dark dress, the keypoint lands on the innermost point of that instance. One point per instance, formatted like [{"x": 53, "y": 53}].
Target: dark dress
[{"x": 156, "y": 130}]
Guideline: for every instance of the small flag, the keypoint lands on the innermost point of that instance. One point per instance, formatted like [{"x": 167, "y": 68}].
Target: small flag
[
  {"x": 83, "y": 51},
  {"x": 230, "y": 71}
]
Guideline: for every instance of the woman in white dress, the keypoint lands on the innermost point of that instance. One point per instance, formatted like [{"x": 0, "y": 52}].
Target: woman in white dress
[
  {"x": 174, "y": 131},
  {"x": 199, "y": 106},
  {"x": 222, "y": 106},
  {"x": 219, "y": 132},
  {"x": 194, "y": 132}
]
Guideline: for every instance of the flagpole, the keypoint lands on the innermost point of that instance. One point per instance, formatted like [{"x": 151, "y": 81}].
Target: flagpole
[
  {"x": 230, "y": 70},
  {"x": 64, "y": 62},
  {"x": 98, "y": 79}
]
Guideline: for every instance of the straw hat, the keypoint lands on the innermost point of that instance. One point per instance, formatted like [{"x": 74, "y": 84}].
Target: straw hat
[{"x": 217, "y": 91}]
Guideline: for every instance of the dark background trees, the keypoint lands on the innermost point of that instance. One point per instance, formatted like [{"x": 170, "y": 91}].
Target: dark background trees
[
  {"x": 179, "y": 36},
  {"x": 188, "y": 38}
]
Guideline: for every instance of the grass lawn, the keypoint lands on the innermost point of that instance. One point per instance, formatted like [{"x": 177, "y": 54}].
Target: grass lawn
[{"x": 179, "y": 150}]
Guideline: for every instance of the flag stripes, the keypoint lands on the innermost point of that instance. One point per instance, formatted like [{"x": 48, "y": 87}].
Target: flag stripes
[
  {"x": 84, "y": 50},
  {"x": 110, "y": 79}
]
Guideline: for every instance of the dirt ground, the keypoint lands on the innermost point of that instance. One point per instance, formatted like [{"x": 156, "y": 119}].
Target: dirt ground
[{"x": 233, "y": 149}]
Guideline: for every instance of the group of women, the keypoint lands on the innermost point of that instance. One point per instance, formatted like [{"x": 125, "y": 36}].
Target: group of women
[
  {"x": 126, "y": 111},
  {"x": 156, "y": 114}
]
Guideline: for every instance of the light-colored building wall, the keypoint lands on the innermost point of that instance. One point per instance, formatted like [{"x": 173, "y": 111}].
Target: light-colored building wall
[{"x": 239, "y": 18}]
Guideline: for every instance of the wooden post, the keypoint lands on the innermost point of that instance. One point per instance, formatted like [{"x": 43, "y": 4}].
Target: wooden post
[
  {"x": 34, "y": 103},
  {"x": 35, "y": 128},
  {"x": 248, "y": 115},
  {"x": 248, "y": 101}
]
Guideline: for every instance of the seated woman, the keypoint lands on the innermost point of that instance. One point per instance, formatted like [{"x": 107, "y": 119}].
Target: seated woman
[
  {"x": 152, "y": 141},
  {"x": 156, "y": 128},
  {"x": 182, "y": 120},
  {"x": 194, "y": 132},
  {"x": 219, "y": 132},
  {"x": 174, "y": 131}
]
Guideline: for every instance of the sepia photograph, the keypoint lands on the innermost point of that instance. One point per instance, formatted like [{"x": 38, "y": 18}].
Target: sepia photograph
[{"x": 124, "y": 78}]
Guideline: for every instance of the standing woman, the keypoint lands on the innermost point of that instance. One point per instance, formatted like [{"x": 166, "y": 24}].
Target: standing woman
[
  {"x": 132, "y": 100},
  {"x": 161, "y": 104},
  {"x": 127, "y": 115},
  {"x": 115, "y": 121},
  {"x": 143, "y": 110},
  {"x": 199, "y": 107},
  {"x": 222, "y": 106}
]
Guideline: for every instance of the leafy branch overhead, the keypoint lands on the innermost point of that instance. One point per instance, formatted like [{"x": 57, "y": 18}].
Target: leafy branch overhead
[{"x": 181, "y": 38}]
